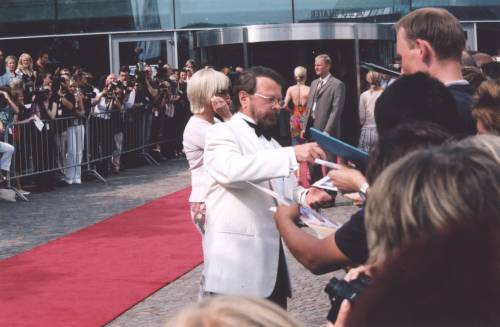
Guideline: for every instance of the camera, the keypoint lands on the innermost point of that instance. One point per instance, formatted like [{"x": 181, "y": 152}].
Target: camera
[
  {"x": 56, "y": 83},
  {"x": 339, "y": 290},
  {"x": 41, "y": 92}
]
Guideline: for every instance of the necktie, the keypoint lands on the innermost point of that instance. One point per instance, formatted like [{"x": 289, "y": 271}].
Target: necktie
[{"x": 260, "y": 131}]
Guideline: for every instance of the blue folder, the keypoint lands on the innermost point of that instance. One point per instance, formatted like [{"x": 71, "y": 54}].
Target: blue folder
[{"x": 335, "y": 146}]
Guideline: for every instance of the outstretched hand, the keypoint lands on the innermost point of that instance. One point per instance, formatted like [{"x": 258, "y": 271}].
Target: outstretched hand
[
  {"x": 308, "y": 152},
  {"x": 347, "y": 179},
  {"x": 317, "y": 198}
]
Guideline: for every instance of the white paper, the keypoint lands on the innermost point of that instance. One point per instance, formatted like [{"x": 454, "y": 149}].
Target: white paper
[
  {"x": 308, "y": 216},
  {"x": 326, "y": 184},
  {"x": 38, "y": 123}
]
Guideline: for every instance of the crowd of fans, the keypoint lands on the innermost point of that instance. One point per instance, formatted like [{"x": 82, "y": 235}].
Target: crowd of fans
[{"x": 47, "y": 113}]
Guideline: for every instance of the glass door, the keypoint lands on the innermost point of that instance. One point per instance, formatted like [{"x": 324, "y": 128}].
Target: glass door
[{"x": 154, "y": 49}]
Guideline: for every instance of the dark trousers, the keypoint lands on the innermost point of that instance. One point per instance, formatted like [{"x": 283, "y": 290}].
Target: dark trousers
[{"x": 282, "y": 287}]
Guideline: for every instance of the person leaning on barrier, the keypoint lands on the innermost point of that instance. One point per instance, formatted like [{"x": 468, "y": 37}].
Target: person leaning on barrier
[
  {"x": 75, "y": 139},
  {"x": 106, "y": 124},
  {"x": 6, "y": 152},
  {"x": 43, "y": 141},
  {"x": 22, "y": 136}
]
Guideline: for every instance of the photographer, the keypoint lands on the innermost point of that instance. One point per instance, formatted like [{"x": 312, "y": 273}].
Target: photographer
[
  {"x": 161, "y": 106},
  {"x": 64, "y": 103},
  {"x": 43, "y": 141},
  {"x": 75, "y": 138},
  {"x": 108, "y": 101},
  {"x": 87, "y": 91},
  {"x": 182, "y": 112},
  {"x": 145, "y": 93}
]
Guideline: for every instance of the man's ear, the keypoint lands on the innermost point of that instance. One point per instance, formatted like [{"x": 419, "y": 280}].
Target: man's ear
[
  {"x": 426, "y": 52},
  {"x": 244, "y": 99}
]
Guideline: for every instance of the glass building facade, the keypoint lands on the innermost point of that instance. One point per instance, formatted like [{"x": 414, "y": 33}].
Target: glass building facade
[
  {"x": 103, "y": 33},
  {"x": 56, "y": 17}
]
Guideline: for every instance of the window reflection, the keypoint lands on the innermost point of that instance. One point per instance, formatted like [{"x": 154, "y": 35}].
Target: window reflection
[
  {"x": 207, "y": 13},
  {"x": 350, "y": 10},
  {"x": 77, "y": 16}
]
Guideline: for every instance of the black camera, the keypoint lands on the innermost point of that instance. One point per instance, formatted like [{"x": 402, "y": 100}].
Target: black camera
[
  {"x": 41, "y": 92},
  {"x": 56, "y": 83},
  {"x": 340, "y": 290}
]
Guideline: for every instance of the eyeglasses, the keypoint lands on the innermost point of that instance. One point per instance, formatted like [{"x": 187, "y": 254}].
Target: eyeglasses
[{"x": 271, "y": 100}]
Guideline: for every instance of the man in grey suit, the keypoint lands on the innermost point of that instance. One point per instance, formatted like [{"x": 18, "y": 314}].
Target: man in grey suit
[{"x": 326, "y": 100}]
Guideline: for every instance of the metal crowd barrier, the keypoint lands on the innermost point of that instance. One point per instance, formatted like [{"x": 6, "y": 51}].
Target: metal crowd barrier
[{"x": 71, "y": 146}]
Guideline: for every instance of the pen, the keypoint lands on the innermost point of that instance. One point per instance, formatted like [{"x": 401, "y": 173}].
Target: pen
[{"x": 326, "y": 163}]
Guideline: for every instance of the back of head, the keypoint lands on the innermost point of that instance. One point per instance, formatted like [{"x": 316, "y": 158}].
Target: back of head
[
  {"x": 473, "y": 75},
  {"x": 428, "y": 190},
  {"x": 300, "y": 74},
  {"x": 247, "y": 81},
  {"x": 487, "y": 106},
  {"x": 492, "y": 70},
  {"x": 401, "y": 140},
  {"x": 448, "y": 279},
  {"x": 230, "y": 311},
  {"x": 438, "y": 27},
  {"x": 203, "y": 85},
  {"x": 417, "y": 97},
  {"x": 373, "y": 78}
]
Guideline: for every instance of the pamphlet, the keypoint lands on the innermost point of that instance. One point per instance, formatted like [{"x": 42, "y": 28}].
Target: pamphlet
[{"x": 308, "y": 216}]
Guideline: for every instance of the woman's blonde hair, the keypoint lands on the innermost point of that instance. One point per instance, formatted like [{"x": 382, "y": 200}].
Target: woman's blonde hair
[
  {"x": 373, "y": 78},
  {"x": 203, "y": 85},
  {"x": 300, "y": 73},
  {"x": 487, "y": 106},
  {"x": 230, "y": 311},
  {"x": 428, "y": 190},
  {"x": 24, "y": 56}
]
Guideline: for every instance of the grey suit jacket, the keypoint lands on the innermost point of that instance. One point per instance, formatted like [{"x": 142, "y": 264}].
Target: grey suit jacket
[{"x": 329, "y": 105}]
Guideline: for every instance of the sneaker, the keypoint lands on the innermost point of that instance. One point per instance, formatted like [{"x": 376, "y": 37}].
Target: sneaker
[
  {"x": 22, "y": 192},
  {"x": 77, "y": 181}
]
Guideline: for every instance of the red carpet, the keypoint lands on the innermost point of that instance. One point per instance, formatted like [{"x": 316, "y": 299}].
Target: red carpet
[{"x": 90, "y": 277}]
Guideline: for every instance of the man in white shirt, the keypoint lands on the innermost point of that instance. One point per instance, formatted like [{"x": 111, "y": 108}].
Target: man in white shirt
[{"x": 242, "y": 246}]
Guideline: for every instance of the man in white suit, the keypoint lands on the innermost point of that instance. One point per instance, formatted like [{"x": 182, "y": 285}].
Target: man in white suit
[{"x": 242, "y": 246}]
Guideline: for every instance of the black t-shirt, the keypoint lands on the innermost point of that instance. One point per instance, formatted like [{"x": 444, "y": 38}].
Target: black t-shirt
[
  {"x": 463, "y": 98},
  {"x": 351, "y": 238},
  {"x": 62, "y": 111}
]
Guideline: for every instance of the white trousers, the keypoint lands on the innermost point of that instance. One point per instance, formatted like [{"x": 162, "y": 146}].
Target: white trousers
[
  {"x": 75, "y": 137},
  {"x": 6, "y": 152}
]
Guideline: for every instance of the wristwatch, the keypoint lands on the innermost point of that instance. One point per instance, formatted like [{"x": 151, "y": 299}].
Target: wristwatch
[{"x": 363, "y": 189}]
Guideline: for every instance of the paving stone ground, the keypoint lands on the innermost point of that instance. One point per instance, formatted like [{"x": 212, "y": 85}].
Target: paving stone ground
[{"x": 48, "y": 216}]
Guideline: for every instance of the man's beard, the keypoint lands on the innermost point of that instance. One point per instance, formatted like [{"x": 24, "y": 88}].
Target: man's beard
[{"x": 267, "y": 122}]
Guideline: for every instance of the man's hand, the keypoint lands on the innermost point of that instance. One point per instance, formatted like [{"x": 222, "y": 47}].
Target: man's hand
[
  {"x": 317, "y": 198},
  {"x": 308, "y": 152},
  {"x": 291, "y": 212},
  {"x": 347, "y": 179}
]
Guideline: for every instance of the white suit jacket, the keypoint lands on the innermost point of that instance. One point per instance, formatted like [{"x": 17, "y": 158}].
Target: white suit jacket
[{"x": 241, "y": 242}]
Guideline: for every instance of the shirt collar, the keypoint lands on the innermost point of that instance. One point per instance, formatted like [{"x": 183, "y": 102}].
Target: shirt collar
[{"x": 457, "y": 82}]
